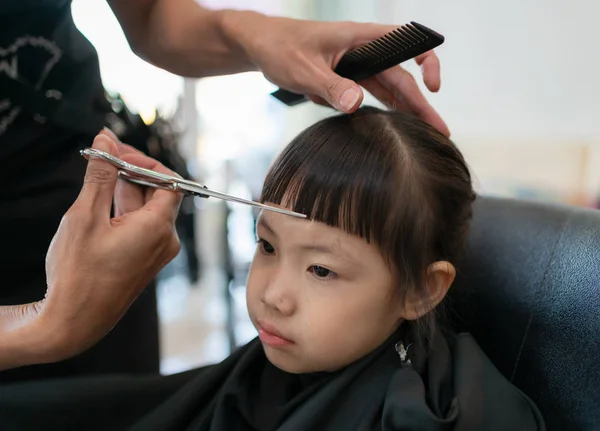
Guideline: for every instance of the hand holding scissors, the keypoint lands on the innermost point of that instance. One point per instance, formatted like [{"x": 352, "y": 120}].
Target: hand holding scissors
[{"x": 149, "y": 178}]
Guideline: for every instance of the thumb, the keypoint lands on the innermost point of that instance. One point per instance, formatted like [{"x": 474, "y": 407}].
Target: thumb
[
  {"x": 100, "y": 179},
  {"x": 341, "y": 93}
]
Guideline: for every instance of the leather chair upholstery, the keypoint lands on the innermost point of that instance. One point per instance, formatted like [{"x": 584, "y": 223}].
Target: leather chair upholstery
[{"x": 529, "y": 292}]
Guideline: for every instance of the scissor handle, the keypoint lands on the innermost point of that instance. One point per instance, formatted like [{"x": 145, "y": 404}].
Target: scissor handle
[{"x": 158, "y": 185}]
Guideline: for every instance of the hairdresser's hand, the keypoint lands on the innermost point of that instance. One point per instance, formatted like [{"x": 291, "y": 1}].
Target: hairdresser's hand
[
  {"x": 96, "y": 265},
  {"x": 301, "y": 55}
]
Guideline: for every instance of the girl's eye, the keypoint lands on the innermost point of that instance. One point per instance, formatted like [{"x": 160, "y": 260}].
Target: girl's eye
[
  {"x": 266, "y": 247},
  {"x": 322, "y": 272}
]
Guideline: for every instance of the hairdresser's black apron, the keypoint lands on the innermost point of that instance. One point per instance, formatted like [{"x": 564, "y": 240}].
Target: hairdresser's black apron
[{"x": 50, "y": 107}]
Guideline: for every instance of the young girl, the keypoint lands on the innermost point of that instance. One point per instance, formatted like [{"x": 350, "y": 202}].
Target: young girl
[{"x": 344, "y": 303}]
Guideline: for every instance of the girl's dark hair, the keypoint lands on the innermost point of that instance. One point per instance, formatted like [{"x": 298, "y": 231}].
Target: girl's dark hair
[{"x": 384, "y": 176}]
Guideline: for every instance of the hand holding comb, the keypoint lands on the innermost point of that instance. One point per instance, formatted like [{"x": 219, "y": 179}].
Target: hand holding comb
[{"x": 404, "y": 43}]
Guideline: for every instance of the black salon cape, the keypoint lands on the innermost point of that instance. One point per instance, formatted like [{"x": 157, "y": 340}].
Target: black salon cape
[{"x": 455, "y": 387}]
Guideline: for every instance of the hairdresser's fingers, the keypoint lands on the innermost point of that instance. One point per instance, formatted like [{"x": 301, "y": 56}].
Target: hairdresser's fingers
[
  {"x": 403, "y": 85},
  {"x": 319, "y": 101},
  {"x": 430, "y": 68},
  {"x": 381, "y": 93},
  {"x": 128, "y": 149},
  {"x": 99, "y": 182},
  {"x": 163, "y": 202},
  {"x": 391, "y": 101},
  {"x": 123, "y": 148},
  {"x": 341, "y": 93},
  {"x": 109, "y": 133},
  {"x": 128, "y": 197}
]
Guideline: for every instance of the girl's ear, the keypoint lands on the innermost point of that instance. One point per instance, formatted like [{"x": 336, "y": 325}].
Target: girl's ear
[{"x": 440, "y": 276}]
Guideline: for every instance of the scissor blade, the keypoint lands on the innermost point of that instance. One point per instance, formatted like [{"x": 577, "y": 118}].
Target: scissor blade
[{"x": 197, "y": 189}]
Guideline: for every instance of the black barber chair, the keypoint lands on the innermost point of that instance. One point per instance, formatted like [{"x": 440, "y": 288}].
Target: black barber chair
[{"x": 529, "y": 292}]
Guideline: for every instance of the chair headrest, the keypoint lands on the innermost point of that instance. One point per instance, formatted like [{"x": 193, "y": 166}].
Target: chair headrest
[{"x": 528, "y": 290}]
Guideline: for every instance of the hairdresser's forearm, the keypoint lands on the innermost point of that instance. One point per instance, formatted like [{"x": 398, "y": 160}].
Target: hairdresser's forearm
[
  {"x": 19, "y": 336},
  {"x": 184, "y": 38}
]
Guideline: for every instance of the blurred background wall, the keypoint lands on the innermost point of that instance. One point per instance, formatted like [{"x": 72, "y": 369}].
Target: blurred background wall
[{"x": 520, "y": 93}]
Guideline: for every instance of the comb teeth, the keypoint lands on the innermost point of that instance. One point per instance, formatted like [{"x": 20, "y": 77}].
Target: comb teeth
[{"x": 402, "y": 38}]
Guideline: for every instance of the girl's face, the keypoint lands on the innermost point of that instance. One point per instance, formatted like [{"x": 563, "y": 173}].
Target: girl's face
[{"x": 319, "y": 297}]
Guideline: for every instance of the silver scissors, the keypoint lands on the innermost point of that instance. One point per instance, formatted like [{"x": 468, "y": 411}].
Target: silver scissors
[{"x": 150, "y": 178}]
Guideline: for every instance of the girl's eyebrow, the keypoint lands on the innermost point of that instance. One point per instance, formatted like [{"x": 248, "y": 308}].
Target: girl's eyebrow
[
  {"x": 333, "y": 249},
  {"x": 262, "y": 222},
  {"x": 324, "y": 249}
]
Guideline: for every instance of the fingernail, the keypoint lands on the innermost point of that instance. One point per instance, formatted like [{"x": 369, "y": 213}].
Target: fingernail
[
  {"x": 102, "y": 143},
  {"x": 111, "y": 134},
  {"x": 349, "y": 99}
]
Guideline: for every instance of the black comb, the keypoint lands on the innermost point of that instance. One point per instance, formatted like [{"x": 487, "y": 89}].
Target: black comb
[{"x": 404, "y": 43}]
